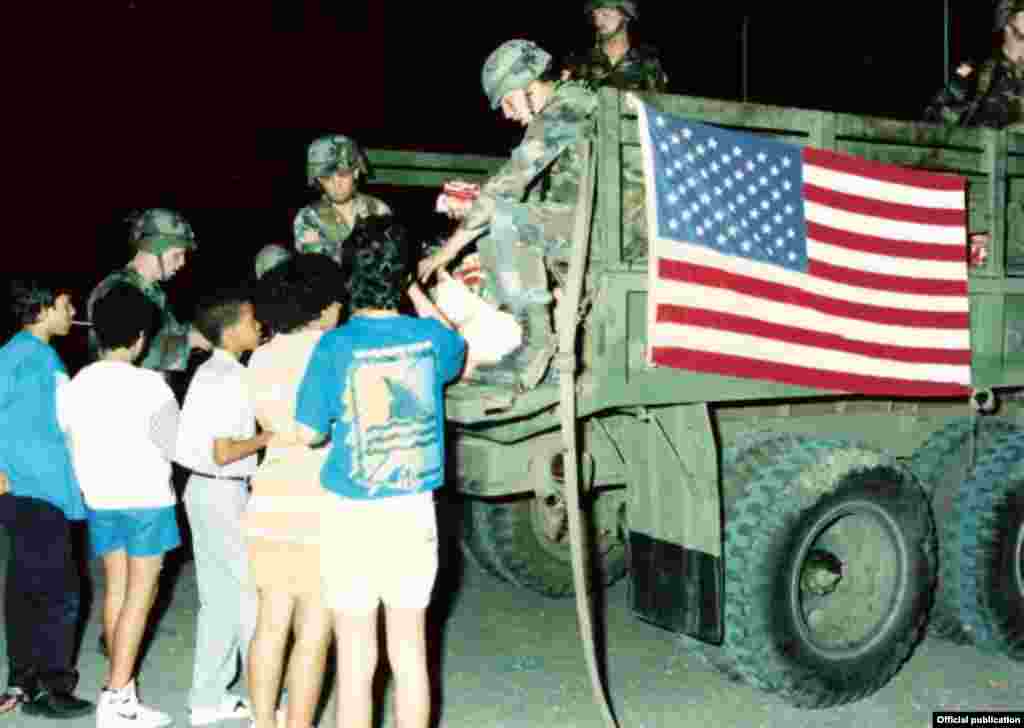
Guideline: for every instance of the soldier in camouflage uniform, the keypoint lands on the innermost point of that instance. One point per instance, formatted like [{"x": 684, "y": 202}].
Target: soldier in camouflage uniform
[
  {"x": 335, "y": 165},
  {"x": 992, "y": 96},
  {"x": 161, "y": 239},
  {"x": 614, "y": 60},
  {"x": 528, "y": 206}
]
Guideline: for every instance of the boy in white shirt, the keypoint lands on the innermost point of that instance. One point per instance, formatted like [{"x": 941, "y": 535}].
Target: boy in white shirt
[
  {"x": 217, "y": 441},
  {"x": 122, "y": 421}
]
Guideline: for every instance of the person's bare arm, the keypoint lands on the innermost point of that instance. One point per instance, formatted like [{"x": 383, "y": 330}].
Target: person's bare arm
[
  {"x": 227, "y": 450},
  {"x": 5, "y": 483},
  {"x": 425, "y": 308}
]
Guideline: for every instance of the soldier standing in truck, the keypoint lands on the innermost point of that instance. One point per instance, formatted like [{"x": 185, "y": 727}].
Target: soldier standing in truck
[
  {"x": 335, "y": 165},
  {"x": 615, "y": 60},
  {"x": 528, "y": 206},
  {"x": 992, "y": 95}
]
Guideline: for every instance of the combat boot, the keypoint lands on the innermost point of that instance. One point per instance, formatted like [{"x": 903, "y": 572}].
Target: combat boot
[{"x": 523, "y": 368}]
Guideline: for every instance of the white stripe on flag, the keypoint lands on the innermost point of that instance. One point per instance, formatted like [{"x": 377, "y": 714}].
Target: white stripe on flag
[
  {"x": 884, "y": 264},
  {"x": 883, "y": 228},
  {"x": 876, "y": 189}
]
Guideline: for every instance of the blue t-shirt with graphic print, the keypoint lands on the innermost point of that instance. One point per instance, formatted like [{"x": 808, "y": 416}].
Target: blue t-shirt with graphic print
[{"x": 376, "y": 385}]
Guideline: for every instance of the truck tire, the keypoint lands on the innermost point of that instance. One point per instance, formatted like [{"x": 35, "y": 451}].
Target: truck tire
[
  {"x": 992, "y": 556},
  {"x": 478, "y": 548},
  {"x": 942, "y": 464},
  {"x": 829, "y": 565},
  {"x": 511, "y": 531}
]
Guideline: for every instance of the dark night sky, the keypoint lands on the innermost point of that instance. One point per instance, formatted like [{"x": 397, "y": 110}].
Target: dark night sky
[{"x": 207, "y": 106}]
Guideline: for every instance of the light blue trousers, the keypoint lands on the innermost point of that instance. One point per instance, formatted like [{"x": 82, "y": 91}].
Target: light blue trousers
[{"x": 227, "y": 602}]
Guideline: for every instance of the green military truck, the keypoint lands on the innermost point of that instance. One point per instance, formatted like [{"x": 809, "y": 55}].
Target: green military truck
[{"x": 806, "y": 540}]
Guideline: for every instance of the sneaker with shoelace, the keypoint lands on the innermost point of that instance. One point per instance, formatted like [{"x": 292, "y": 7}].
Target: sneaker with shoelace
[
  {"x": 122, "y": 709},
  {"x": 231, "y": 708}
]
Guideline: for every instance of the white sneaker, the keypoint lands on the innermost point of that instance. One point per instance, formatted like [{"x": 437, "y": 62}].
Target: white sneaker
[
  {"x": 231, "y": 708},
  {"x": 122, "y": 709}
]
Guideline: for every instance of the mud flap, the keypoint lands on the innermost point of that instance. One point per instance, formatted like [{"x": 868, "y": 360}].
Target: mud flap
[{"x": 676, "y": 588}]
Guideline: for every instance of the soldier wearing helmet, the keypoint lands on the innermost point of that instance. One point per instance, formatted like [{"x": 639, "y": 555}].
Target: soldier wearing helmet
[
  {"x": 527, "y": 207},
  {"x": 615, "y": 60},
  {"x": 335, "y": 165},
  {"x": 161, "y": 239},
  {"x": 992, "y": 95}
]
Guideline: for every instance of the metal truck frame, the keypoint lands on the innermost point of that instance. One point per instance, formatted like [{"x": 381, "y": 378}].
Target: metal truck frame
[{"x": 806, "y": 538}]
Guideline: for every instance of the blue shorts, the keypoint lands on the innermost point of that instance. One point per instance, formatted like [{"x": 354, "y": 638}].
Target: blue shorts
[{"x": 138, "y": 531}]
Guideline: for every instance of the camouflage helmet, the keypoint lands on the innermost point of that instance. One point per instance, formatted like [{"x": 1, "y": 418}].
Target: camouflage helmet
[
  {"x": 333, "y": 153},
  {"x": 158, "y": 230},
  {"x": 270, "y": 256},
  {"x": 1006, "y": 9},
  {"x": 513, "y": 65},
  {"x": 628, "y": 7}
]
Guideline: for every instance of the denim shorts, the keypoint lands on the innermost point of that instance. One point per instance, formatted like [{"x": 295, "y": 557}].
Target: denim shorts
[{"x": 138, "y": 531}]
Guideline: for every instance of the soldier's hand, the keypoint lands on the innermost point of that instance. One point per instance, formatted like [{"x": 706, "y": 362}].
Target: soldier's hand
[
  {"x": 964, "y": 70},
  {"x": 5, "y": 483},
  {"x": 197, "y": 341},
  {"x": 566, "y": 75}
]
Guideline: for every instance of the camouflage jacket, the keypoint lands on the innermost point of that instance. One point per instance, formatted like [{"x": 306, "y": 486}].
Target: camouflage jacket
[
  {"x": 546, "y": 166},
  {"x": 992, "y": 97},
  {"x": 319, "y": 229},
  {"x": 638, "y": 70},
  {"x": 168, "y": 350}
]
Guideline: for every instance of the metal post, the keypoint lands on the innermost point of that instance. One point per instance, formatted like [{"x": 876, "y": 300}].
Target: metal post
[{"x": 946, "y": 41}]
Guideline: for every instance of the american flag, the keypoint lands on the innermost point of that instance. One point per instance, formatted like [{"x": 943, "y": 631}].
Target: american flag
[{"x": 803, "y": 266}]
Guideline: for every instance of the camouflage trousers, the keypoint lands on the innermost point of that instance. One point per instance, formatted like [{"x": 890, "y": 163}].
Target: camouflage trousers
[{"x": 522, "y": 236}]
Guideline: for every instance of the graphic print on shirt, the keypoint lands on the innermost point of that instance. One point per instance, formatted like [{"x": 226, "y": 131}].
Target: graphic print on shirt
[{"x": 392, "y": 410}]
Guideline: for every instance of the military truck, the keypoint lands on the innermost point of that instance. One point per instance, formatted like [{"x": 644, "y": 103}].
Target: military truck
[{"x": 807, "y": 539}]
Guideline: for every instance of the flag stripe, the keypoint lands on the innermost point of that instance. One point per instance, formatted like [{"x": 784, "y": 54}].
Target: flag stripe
[
  {"x": 881, "y": 209},
  {"x": 697, "y": 317},
  {"x": 883, "y": 227},
  {"x": 883, "y": 172},
  {"x": 864, "y": 187},
  {"x": 672, "y": 270},
  {"x": 736, "y": 366},
  {"x": 882, "y": 264},
  {"x": 894, "y": 248},
  {"x": 864, "y": 279}
]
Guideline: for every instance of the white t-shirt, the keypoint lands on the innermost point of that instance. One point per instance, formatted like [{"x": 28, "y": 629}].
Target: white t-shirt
[
  {"x": 217, "y": 405},
  {"x": 118, "y": 417}
]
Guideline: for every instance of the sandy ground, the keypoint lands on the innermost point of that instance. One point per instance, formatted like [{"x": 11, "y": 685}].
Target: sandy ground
[{"x": 507, "y": 658}]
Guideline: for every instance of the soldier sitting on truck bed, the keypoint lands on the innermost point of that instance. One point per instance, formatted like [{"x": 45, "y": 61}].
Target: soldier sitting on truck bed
[
  {"x": 529, "y": 205},
  {"x": 991, "y": 96}
]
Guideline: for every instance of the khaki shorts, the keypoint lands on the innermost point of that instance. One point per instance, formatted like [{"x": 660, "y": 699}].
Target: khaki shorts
[{"x": 382, "y": 550}]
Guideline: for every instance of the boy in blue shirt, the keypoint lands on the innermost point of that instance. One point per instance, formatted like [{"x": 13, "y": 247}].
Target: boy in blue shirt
[
  {"x": 42, "y": 599},
  {"x": 376, "y": 385}
]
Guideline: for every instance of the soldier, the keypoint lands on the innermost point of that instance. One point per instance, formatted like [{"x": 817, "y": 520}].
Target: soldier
[
  {"x": 335, "y": 164},
  {"x": 161, "y": 239},
  {"x": 269, "y": 257},
  {"x": 528, "y": 206},
  {"x": 993, "y": 95},
  {"x": 614, "y": 60}
]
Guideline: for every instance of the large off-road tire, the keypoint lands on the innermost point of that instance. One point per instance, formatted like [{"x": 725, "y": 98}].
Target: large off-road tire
[
  {"x": 992, "y": 550},
  {"x": 829, "y": 565},
  {"x": 477, "y": 546},
  {"x": 512, "y": 532},
  {"x": 943, "y": 463}
]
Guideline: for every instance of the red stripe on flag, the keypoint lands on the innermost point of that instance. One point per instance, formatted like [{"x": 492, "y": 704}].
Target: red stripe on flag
[
  {"x": 735, "y": 366},
  {"x": 882, "y": 282},
  {"x": 674, "y": 270},
  {"x": 883, "y": 172},
  {"x": 886, "y": 247},
  {"x": 668, "y": 313},
  {"x": 878, "y": 208}
]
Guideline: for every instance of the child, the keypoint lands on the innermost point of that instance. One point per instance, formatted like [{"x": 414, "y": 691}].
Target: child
[
  {"x": 217, "y": 441},
  {"x": 121, "y": 421},
  {"x": 299, "y": 302},
  {"x": 42, "y": 597},
  {"x": 376, "y": 384}
]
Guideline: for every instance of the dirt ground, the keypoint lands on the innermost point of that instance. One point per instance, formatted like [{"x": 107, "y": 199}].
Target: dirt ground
[{"x": 507, "y": 658}]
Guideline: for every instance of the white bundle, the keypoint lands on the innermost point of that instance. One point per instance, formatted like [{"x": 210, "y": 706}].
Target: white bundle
[{"x": 490, "y": 334}]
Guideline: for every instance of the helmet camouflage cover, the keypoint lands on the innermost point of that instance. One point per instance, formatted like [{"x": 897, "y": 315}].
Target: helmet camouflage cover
[
  {"x": 270, "y": 256},
  {"x": 333, "y": 153},
  {"x": 512, "y": 65},
  {"x": 157, "y": 230},
  {"x": 628, "y": 7},
  {"x": 1006, "y": 9}
]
